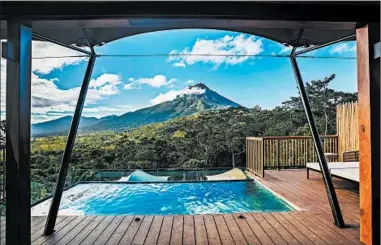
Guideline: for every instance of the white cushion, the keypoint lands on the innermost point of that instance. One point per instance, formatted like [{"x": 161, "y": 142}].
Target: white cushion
[{"x": 348, "y": 170}]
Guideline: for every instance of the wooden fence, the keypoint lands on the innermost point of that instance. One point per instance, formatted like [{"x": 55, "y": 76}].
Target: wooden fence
[
  {"x": 347, "y": 128},
  {"x": 285, "y": 152},
  {"x": 255, "y": 156}
]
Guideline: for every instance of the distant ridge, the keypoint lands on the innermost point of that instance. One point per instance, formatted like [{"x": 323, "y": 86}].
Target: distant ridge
[{"x": 190, "y": 100}]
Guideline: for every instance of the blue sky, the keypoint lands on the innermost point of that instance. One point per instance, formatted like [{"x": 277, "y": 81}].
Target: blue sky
[{"x": 121, "y": 84}]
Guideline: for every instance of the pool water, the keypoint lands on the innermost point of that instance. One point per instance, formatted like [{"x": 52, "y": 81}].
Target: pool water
[{"x": 170, "y": 198}]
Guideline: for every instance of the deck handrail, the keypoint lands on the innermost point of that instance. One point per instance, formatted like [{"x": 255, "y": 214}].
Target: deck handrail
[
  {"x": 278, "y": 152},
  {"x": 290, "y": 137}
]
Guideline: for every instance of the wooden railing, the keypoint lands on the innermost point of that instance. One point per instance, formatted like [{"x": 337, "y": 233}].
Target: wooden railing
[
  {"x": 254, "y": 155},
  {"x": 277, "y": 152}
]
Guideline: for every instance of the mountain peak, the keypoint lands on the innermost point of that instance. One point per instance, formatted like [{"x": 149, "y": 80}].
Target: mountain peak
[
  {"x": 185, "y": 102},
  {"x": 199, "y": 86}
]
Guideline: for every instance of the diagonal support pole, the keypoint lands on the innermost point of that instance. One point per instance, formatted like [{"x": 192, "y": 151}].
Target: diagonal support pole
[
  {"x": 53, "y": 211},
  {"x": 334, "y": 203}
]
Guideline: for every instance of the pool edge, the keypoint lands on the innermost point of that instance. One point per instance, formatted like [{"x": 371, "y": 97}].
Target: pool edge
[{"x": 297, "y": 208}]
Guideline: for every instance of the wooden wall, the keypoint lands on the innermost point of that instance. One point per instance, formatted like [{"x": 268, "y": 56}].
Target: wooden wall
[{"x": 347, "y": 128}]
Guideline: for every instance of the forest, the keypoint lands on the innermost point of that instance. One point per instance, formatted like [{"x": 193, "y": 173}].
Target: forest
[{"x": 208, "y": 139}]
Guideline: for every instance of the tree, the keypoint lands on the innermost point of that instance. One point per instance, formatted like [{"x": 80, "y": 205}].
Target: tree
[{"x": 323, "y": 101}]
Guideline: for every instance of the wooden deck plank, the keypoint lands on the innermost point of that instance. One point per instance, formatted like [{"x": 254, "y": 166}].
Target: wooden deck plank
[
  {"x": 312, "y": 192},
  {"x": 307, "y": 231},
  {"x": 223, "y": 230},
  {"x": 298, "y": 231},
  {"x": 235, "y": 231},
  {"x": 38, "y": 229},
  {"x": 38, "y": 226},
  {"x": 165, "y": 232},
  {"x": 120, "y": 230},
  {"x": 200, "y": 230},
  {"x": 58, "y": 235},
  {"x": 38, "y": 238},
  {"x": 189, "y": 232},
  {"x": 286, "y": 235},
  {"x": 37, "y": 220},
  {"x": 348, "y": 205},
  {"x": 211, "y": 230},
  {"x": 154, "y": 231},
  {"x": 129, "y": 235},
  {"x": 267, "y": 228},
  {"x": 86, "y": 231},
  {"x": 330, "y": 228},
  {"x": 106, "y": 234},
  {"x": 177, "y": 230},
  {"x": 98, "y": 230},
  {"x": 77, "y": 229},
  {"x": 325, "y": 235},
  {"x": 257, "y": 230},
  {"x": 304, "y": 198},
  {"x": 141, "y": 235},
  {"x": 260, "y": 237}
]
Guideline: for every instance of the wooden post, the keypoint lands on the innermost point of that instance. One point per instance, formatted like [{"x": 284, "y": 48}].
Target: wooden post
[
  {"x": 368, "y": 75},
  {"x": 277, "y": 154}
]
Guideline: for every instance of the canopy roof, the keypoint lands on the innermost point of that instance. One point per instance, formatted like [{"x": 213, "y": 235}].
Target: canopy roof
[{"x": 101, "y": 31}]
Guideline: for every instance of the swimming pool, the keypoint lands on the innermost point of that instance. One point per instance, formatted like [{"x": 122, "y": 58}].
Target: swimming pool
[{"x": 166, "y": 199}]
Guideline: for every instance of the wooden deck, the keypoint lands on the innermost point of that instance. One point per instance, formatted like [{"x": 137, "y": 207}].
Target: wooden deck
[{"x": 313, "y": 224}]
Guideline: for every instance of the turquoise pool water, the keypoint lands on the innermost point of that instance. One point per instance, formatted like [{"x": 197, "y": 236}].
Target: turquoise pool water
[{"x": 171, "y": 198}]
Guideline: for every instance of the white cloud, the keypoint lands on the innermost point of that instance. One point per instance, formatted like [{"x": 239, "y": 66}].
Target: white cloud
[
  {"x": 46, "y": 49},
  {"x": 106, "y": 84},
  {"x": 98, "y": 111},
  {"x": 190, "y": 81},
  {"x": 48, "y": 98},
  {"x": 343, "y": 48},
  {"x": 179, "y": 64},
  {"x": 285, "y": 50},
  {"x": 172, "y": 94},
  {"x": 101, "y": 111},
  {"x": 156, "y": 82},
  {"x": 218, "y": 51},
  {"x": 128, "y": 86}
]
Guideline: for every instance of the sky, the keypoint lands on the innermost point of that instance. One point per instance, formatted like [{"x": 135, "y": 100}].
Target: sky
[{"x": 170, "y": 61}]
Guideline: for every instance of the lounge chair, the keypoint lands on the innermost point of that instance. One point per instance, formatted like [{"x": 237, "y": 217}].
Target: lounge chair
[{"x": 344, "y": 170}]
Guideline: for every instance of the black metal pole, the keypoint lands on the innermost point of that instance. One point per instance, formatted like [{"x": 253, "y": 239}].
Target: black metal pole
[
  {"x": 42, "y": 38},
  {"x": 334, "y": 203},
  {"x": 53, "y": 211},
  {"x": 325, "y": 44}
]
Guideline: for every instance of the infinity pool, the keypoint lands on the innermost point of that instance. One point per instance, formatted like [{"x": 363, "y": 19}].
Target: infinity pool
[{"x": 166, "y": 198}]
